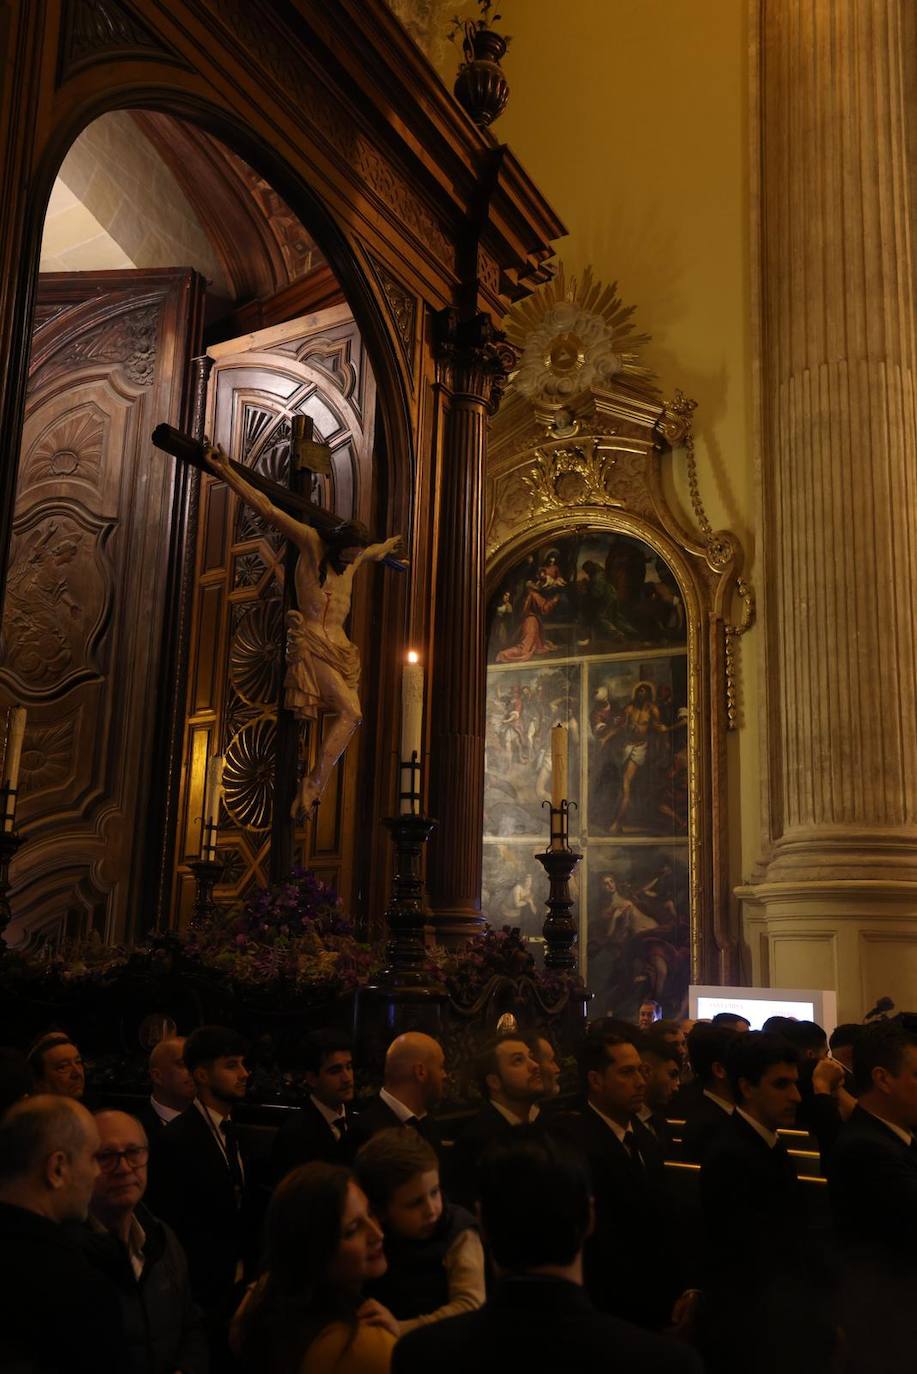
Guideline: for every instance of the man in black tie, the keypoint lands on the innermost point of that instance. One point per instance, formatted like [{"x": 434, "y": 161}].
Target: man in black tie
[
  {"x": 662, "y": 1071},
  {"x": 630, "y": 1260},
  {"x": 321, "y": 1128},
  {"x": 754, "y": 1212},
  {"x": 872, "y": 1170},
  {"x": 413, "y": 1084},
  {"x": 198, "y": 1181},
  {"x": 708, "y": 1051},
  {"x": 511, "y": 1083}
]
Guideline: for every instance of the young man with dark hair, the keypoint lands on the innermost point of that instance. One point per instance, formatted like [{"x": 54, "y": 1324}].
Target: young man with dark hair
[
  {"x": 198, "y": 1178},
  {"x": 536, "y": 1213},
  {"x": 633, "y": 1237},
  {"x": 510, "y": 1082},
  {"x": 841, "y": 1044},
  {"x": 661, "y": 1071},
  {"x": 57, "y": 1313},
  {"x": 731, "y": 1020},
  {"x": 321, "y": 1128},
  {"x": 56, "y": 1066},
  {"x": 749, "y": 1187},
  {"x": 708, "y": 1050},
  {"x": 872, "y": 1170}
]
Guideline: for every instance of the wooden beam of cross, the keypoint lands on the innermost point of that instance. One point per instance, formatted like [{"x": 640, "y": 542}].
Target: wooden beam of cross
[{"x": 306, "y": 456}]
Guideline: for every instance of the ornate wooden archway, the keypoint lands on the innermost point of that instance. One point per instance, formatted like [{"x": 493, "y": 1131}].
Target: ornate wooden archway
[{"x": 431, "y": 228}]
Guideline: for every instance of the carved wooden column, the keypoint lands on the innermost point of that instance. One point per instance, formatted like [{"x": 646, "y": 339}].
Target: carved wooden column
[
  {"x": 472, "y": 362},
  {"x": 838, "y": 896}
]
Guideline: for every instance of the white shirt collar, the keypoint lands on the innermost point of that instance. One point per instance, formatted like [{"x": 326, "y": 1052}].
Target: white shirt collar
[
  {"x": 330, "y": 1115},
  {"x": 216, "y": 1117},
  {"x": 727, "y": 1107},
  {"x": 619, "y": 1130},
  {"x": 511, "y": 1117},
  {"x": 770, "y": 1138},
  {"x": 402, "y": 1112},
  {"x": 165, "y": 1114},
  {"x": 898, "y": 1130}
]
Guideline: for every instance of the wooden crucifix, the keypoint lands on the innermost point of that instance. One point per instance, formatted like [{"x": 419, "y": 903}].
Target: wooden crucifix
[{"x": 322, "y": 666}]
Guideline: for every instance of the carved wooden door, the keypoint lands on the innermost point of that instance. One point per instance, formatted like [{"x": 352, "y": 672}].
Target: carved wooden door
[
  {"x": 315, "y": 367},
  {"x": 84, "y": 617}
]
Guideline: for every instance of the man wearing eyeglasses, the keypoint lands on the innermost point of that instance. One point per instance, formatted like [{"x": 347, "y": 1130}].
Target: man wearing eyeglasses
[{"x": 142, "y": 1257}]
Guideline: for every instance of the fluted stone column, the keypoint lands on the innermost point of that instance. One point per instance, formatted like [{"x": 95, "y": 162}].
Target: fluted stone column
[
  {"x": 471, "y": 369},
  {"x": 837, "y": 896}
]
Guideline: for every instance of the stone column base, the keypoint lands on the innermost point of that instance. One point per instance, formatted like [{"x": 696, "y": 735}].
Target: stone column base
[{"x": 858, "y": 938}]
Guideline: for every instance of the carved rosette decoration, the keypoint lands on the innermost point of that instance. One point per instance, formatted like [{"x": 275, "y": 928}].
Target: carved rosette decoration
[
  {"x": 255, "y": 654},
  {"x": 248, "y": 774}
]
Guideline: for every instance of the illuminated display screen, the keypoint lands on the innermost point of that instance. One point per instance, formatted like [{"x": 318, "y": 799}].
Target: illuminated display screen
[{"x": 758, "y": 1004}]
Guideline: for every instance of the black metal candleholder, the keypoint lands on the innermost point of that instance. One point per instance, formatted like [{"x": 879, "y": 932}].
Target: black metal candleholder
[
  {"x": 411, "y": 794},
  {"x": 405, "y": 914},
  {"x": 10, "y": 840},
  {"x": 559, "y": 861},
  {"x": 207, "y": 870}
]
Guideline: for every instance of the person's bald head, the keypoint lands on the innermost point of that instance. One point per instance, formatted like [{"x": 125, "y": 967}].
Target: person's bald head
[
  {"x": 173, "y": 1085},
  {"x": 415, "y": 1070},
  {"x": 48, "y": 1147}
]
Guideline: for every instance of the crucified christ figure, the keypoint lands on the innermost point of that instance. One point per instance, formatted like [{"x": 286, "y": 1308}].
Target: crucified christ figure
[{"x": 323, "y": 667}]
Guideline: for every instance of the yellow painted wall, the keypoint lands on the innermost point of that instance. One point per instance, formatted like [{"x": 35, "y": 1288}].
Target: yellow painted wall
[{"x": 632, "y": 116}]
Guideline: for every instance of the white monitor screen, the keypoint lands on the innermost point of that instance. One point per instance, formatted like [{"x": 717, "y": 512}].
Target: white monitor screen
[{"x": 754, "y": 1011}]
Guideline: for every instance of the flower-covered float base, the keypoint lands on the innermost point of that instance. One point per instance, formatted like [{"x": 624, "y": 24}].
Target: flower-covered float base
[{"x": 285, "y": 962}]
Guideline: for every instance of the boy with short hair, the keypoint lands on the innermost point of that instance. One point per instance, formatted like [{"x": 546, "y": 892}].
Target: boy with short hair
[{"x": 435, "y": 1257}]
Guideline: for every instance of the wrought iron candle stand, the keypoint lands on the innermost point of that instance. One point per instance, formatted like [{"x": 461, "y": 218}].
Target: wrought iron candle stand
[
  {"x": 559, "y": 861},
  {"x": 207, "y": 870},
  {"x": 405, "y": 914},
  {"x": 10, "y": 840}
]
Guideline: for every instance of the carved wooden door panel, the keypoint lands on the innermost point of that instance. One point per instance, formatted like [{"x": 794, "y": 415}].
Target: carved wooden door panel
[
  {"x": 315, "y": 367},
  {"x": 83, "y": 617}
]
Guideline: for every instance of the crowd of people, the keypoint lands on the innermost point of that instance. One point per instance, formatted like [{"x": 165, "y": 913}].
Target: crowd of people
[{"x": 651, "y": 1218}]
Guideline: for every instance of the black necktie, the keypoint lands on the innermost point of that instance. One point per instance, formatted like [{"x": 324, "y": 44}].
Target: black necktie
[
  {"x": 233, "y": 1157},
  {"x": 413, "y": 1121},
  {"x": 342, "y": 1126},
  {"x": 632, "y": 1148}
]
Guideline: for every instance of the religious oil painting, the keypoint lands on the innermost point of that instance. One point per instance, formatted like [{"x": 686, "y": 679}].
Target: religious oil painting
[
  {"x": 515, "y": 890},
  {"x": 638, "y": 928},
  {"x": 522, "y": 705},
  {"x": 589, "y": 631}
]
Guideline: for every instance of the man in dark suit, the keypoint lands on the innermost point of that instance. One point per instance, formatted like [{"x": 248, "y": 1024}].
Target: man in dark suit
[
  {"x": 536, "y": 1214},
  {"x": 631, "y": 1263},
  {"x": 173, "y": 1088},
  {"x": 321, "y": 1128},
  {"x": 413, "y": 1083},
  {"x": 59, "y": 1316},
  {"x": 662, "y": 1071},
  {"x": 708, "y": 1050},
  {"x": 510, "y": 1080},
  {"x": 198, "y": 1179},
  {"x": 750, "y": 1195},
  {"x": 872, "y": 1169}
]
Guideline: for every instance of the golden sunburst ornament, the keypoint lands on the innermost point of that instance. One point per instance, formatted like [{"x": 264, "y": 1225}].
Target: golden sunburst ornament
[{"x": 574, "y": 336}]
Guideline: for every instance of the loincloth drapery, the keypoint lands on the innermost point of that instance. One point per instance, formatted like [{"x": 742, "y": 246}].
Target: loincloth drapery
[
  {"x": 634, "y": 753},
  {"x": 305, "y": 644}
]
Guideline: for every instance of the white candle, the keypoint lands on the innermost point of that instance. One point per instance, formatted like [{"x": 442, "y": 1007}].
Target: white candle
[
  {"x": 212, "y": 794},
  {"x": 558, "y": 775},
  {"x": 15, "y": 729},
  {"x": 411, "y": 723}
]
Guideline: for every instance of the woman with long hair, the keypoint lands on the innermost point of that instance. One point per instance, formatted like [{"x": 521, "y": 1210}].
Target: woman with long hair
[{"x": 305, "y": 1314}]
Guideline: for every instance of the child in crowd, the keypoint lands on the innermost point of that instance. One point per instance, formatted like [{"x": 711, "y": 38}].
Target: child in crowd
[{"x": 434, "y": 1252}]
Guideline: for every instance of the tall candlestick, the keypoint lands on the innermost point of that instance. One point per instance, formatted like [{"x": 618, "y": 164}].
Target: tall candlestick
[
  {"x": 411, "y": 723},
  {"x": 212, "y": 793},
  {"x": 15, "y": 730},
  {"x": 558, "y": 772}
]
